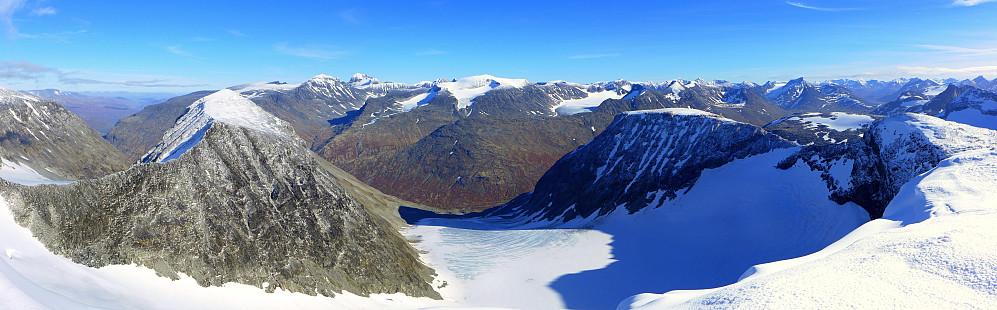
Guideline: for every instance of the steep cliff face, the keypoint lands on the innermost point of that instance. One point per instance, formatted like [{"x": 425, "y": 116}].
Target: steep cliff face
[
  {"x": 231, "y": 194},
  {"x": 639, "y": 160},
  {"x": 871, "y": 170},
  {"x": 43, "y": 136}
]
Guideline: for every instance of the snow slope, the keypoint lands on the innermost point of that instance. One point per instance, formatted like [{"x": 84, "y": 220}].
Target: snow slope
[
  {"x": 226, "y": 106},
  {"x": 23, "y": 174},
  {"x": 933, "y": 249},
  {"x": 587, "y": 104},
  {"x": 698, "y": 240},
  {"x": 31, "y": 277},
  {"x": 839, "y": 121},
  {"x": 468, "y": 88}
]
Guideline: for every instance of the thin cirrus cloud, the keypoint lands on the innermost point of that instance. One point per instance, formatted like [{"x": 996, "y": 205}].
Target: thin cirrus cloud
[
  {"x": 178, "y": 50},
  {"x": 23, "y": 70},
  {"x": 310, "y": 51},
  {"x": 593, "y": 56},
  {"x": 349, "y": 16},
  {"x": 959, "y": 50},
  {"x": 44, "y": 11},
  {"x": 823, "y": 9},
  {"x": 970, "y": 2},
  {"x": 946, "y": 72},
  {"x": 7, "y": 9},
  {"x": 431, "y": 52},
  {"x": 235, "y": 32}
]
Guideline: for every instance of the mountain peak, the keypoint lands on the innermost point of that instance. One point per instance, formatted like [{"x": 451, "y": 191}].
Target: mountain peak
[
  {"x": 323, "y": 78},
  {"x": 230, "y": 107},
  {"x": 798, "y": 80},
  {"x": 360, "y": 79},
  {"x": 224, "y": 106}
]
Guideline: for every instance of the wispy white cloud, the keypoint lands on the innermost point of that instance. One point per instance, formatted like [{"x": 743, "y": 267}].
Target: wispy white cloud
[
  {"x": 947, "y": 72},
  {"x": 349, "y": 16},
  {"x": 965, "y": 51},
  {"x": 816, "y": 8},
  {"x": 178, "y": 50},
  {"x": 235, "y": 32},
  {"x": 970, "y": 2},
  {"x": 7, "y": 9},
  {"x": 310, "y": 51},
  {"x": 54, "y": 37},
  {"x": 27, "y": 71},
  {"x": 23, "y": 70},
  {"x": 44, "y": 11},
  {"x": 431, "y": 52},
  {"x": 591, "y": 56}
]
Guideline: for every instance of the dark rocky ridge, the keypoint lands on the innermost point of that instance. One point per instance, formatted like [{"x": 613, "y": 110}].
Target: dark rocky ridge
[
  {"x": 52, "y": 140},
  {"x": 661, "y": 152},
  {"x": 241, "y": 206}
]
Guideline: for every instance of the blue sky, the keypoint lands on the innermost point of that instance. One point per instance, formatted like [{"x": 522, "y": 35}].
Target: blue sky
[{"x": 181, "y": 46}]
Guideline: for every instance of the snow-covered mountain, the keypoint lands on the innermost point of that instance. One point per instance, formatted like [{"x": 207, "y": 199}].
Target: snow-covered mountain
[
  {"x": 40, "y": 140},
  {"x": 872, "y": 90},
  {"x": 928, "y": 87},
  {"x": 974, "y": 107},
  {"x": 231, "y": 194},
  {"x": 801, "y": 96},
  {"x": 934, "y": 236},
  {"x": 224, "y": 106},
  {"x": 137, "y": 134}
]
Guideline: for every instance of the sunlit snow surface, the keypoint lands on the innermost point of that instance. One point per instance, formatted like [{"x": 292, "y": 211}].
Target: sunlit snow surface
[
  {"x": 587, "y": 104},
  {"x": 839, "y": 121},
  {"x": 736, "y": 216},
  {"x": 933, "y": 248},
  {"x": 23, "y": 174}
]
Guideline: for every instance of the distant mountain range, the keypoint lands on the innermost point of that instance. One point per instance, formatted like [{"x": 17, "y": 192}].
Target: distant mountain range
[
  {"x": 476, "y": 142},
  {"x": 100, "y": 110}
]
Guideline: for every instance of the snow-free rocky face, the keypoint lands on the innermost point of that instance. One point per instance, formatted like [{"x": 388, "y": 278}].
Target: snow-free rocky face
[
  {"x": 642, "y": 158},
  {"x": 42, "y": 136},
  {"x": 244, "y": 202}
]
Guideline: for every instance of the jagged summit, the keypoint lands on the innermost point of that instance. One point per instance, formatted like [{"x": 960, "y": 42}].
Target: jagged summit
[{"x": 360, "y": 79}]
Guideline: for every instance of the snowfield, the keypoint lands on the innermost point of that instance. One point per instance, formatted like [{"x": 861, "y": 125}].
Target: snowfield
[
  {"x": 587, "y": 104},
  {"x": 699, "y": 240},
  {"x": 839, "y": 121},
  {"x": 468, "y": 88},
  {"x": 23, "y": 174},
  {"x": 933, "y": 249}
]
